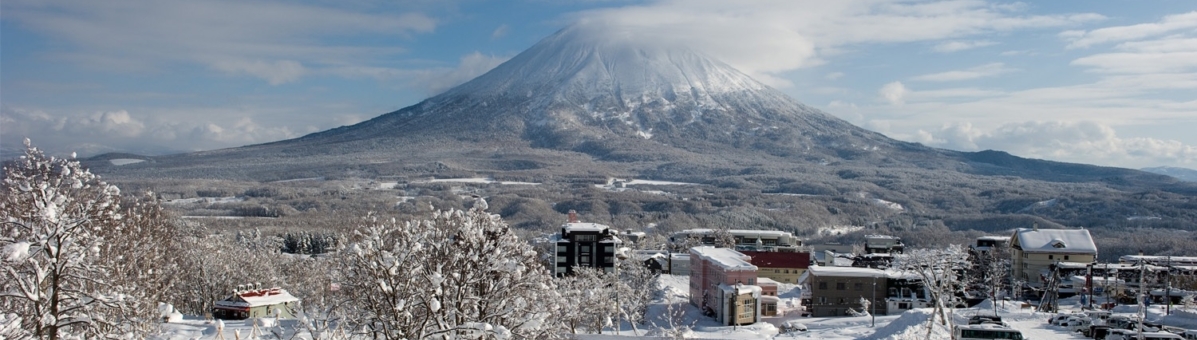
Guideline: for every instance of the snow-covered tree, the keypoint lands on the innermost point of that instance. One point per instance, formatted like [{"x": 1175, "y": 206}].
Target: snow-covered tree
[
  {"x": 55, "y": 214},
  {"x": 938, "y": 270},
  {"x": 591, "y": 296},
  {"x": 635, "y": 287},
  {"x": 456, "y": 274}
]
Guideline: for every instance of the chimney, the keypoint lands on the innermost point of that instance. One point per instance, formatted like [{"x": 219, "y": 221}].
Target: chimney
[
  {"x": 1035, "y": 226},
  {"x": 573, "y": 216}
]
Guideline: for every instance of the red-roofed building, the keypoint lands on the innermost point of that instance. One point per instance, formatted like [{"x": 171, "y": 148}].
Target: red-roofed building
[
  {"x": 247, "y": 302},
  {"x": 783, "y": 267}
]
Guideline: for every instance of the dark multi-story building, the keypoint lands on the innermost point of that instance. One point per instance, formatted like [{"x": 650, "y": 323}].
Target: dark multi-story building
[
  {"x": 834, "y": 290},
  {"x": 585, "y": 245}
]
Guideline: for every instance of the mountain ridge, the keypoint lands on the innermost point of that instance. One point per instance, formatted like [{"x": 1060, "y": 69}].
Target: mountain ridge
[{"x": 581, "y": 106}]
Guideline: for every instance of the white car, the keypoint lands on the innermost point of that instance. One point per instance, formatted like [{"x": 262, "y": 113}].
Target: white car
[{"x": 1123, "y": 334}]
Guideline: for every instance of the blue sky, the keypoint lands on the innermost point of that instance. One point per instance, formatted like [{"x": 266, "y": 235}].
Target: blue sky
[{"x": 1099, "y": 82}]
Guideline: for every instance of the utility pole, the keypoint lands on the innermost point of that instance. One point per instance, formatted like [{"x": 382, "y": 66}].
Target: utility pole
[
  {"x": 1142, "y": 283},
  {"x": 873, "y": 310},
  {"x": 1168, "y": 286}
]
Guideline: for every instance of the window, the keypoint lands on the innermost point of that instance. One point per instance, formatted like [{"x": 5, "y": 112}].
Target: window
[
  {"x": 1066, "y": 257},
  {"x": 787, "y": 271},
  {"x": 858, "y": 286},
  {"x": 822, "y": 285},
  {"x": 777, "y": 270},
  {"x": 562, "y": 249},
  {"x": 609, "y": 249},
  {"x": 584, "y": 259},
  {"x": 585, "y": 238},
  {"x": 561, "y": 259},
  {"x": 560, "y": 270},
  {"x": 1049, "y": 257},
  {"x": 585, "y": 249},
  {"x": 608, "y": 259},
  {"x": 822, "y": 299},
  {"x": 840, "y": 286}
]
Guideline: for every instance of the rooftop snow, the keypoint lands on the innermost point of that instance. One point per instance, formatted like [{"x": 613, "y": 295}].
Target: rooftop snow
[
  {"x": 739, "y": 232},
  {"x": 724, "y": 258},
  {"x": 846, "y": 271},
  {"x": 994, "y": 238},
  {"x": 261, "y": 297},
  {"x": 579, "y": 226},
  {"x": 1056, "y": 241}
]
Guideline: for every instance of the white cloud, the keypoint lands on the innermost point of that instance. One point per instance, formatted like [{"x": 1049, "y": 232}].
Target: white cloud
[
  {"x": 834, "y": 75},
  {"x": 982, "y": 71},
  {"x": 955, "y": 46},
  {"x": 275, "y": 41},
  {"x": 278, "y": 72},
  {"x": 500, "y": 32},
  {"x": 435, "y": 81},
  {"x": 894, "y": 93},
  {"x": 766, "y": 38},
  {"x": 1079, "y": 141},
  {"x": 1170, "y": 23}
]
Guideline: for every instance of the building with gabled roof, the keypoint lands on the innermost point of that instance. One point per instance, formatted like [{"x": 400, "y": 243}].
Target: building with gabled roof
[
  {"x": 1034, "y": 250},
  {"x": 247, "y": 302}
]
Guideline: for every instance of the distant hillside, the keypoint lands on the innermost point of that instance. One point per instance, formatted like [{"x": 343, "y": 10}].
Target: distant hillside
[{"x": 1188, "y": 175}]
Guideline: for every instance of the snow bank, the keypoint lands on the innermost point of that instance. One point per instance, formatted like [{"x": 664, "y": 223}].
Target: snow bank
[{"x": 911, "y": 325}]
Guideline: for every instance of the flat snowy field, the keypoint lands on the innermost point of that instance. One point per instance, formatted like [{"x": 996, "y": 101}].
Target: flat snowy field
[{"x": 907, "y": 326}]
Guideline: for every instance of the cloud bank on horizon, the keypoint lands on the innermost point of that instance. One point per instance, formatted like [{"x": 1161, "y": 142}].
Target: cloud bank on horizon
[{"x": 1103, "y": 83}]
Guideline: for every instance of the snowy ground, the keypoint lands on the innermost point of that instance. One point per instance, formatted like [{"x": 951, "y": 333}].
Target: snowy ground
[{"x": 672, "y": 311}]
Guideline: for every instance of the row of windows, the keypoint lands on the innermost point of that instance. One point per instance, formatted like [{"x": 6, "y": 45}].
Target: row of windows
[
  {"x": 843, "y": 286},
  {"x": 584, "y": 249}
]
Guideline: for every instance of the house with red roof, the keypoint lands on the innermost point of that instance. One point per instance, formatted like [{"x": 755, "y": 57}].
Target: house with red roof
[
  {"x": 250, "y": 302},
  {"x": 783, "y": 267}
]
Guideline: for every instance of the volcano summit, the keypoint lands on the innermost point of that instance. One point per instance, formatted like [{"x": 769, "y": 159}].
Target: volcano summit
[{"x": 592, "y": 102}]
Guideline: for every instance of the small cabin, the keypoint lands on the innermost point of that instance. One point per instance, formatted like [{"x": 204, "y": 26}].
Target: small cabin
[{"x": 256, "y": 303}]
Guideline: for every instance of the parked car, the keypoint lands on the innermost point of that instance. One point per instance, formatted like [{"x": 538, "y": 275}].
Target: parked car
[
  {"x": 1123, "y": 334},
  {"x": 979, "y": 319},
  {"x": 1096, "y": 331},
  {"x": 1059, "y": 318},
  {"x": 792, "y": 326},
  {"x": 1078, "y": 324}
]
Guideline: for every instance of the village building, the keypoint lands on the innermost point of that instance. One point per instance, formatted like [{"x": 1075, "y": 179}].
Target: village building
[
  {"x": 784, "y": 267},
  {"x": 883, "y": 244},
  {"x": 247, "y": 302},
  {"x": 723, "y": 283},
  {"x": 835, "y": 290},
  {"x": 1034, "y": 250},
  {"x": 745, "y": 240},
  {"x": 585, "y": 245}
]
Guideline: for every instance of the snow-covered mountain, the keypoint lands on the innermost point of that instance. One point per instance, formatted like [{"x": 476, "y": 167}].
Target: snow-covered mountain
[
  {"x": 1183, "y": 174},
  {"x": 590, "y": 84}
]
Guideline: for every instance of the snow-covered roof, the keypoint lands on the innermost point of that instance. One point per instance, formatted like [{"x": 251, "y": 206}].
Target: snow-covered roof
[
  {"x": 741, "y": 232},
  {"x": 994, "y": 238},
  {"x": 740, "y": 289},
  {"x": 881, "y": 237},
  {"x": 846, "y": 271},
  {"x": 764, "y": 281},
  {"x": 257, "y": 297},
  {"x": 1073, "y": 241},
  {"x": 581, "y": 226},
  {"x": 1176, "y": 260},
  {"x": 729, "y": 260}
]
